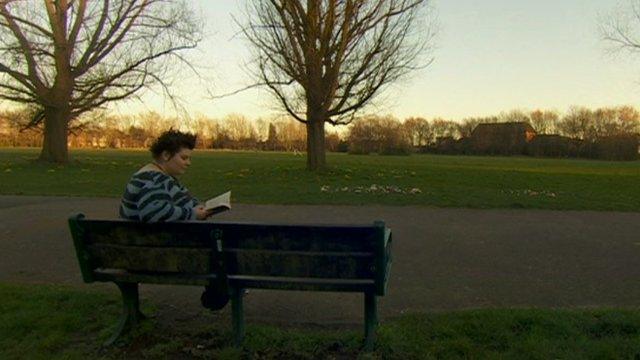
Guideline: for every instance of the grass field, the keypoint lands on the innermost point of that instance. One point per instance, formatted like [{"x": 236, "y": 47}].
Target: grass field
[
  {"x": 280, "y": 178},
  {"x": 55, "y": 322}
]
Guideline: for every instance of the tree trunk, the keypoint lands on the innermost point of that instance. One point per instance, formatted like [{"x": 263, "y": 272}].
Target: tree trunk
[
  {"x": 315, "y": 143},
  {"x": 54, "y": 147}
]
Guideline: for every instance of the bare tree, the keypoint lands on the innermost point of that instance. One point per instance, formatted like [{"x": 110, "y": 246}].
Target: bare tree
[
  {"x": 67, "y": 57},
  {"x": 578, "y": 123},
  {"x": 544, "y": 121},
  {"x": 419, "y": 130},
  {"x": 239, "y": 127},
  {"x": 384, "y": 135},
  {"x": 514, "y": 115},
  {"x": 290, "y": 134},
  {"x": 623, "y": 120},
  {"x": 441, "y": 128},
  {"x": 628, "y": 121},
  {"x": 324, "y": 60}
]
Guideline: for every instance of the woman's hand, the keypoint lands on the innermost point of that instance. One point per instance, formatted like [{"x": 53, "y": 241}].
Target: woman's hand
[{"x": 201, "y": 213}]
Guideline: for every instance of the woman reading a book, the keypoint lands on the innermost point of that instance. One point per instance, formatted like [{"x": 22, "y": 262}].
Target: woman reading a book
[{"x": 153, "y": 193}]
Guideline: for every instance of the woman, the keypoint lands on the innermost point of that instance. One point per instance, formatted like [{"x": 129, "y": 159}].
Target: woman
[{"x": 153, "y": 193}]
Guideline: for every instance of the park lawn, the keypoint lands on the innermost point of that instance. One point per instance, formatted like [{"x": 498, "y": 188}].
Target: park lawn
[
  {"x": 281, "y": 178},
  {"x": 57, "y": 322}
]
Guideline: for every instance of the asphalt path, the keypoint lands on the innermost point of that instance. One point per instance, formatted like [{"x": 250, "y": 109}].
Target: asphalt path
[{"x": 444, "y": 259}]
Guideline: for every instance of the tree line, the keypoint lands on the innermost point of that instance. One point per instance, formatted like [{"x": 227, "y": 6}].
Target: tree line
[
  {"x": 387, "y": 135},
  {"x": 370, "y": 134},
  {"x": 100, "y": 130}
]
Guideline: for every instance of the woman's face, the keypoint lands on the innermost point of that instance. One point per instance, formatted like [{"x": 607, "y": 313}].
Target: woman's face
[{"x": 177, "y": 164}]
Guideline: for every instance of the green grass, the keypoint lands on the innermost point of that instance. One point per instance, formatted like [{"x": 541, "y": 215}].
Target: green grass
[
  {"x": 39, "y": 321},
  {"x": 55, "y": 322},
  {"x": 280, "y": 178}
]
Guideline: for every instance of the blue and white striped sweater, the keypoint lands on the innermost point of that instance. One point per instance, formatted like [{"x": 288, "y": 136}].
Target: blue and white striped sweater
[{"x": 152, "y": 196}]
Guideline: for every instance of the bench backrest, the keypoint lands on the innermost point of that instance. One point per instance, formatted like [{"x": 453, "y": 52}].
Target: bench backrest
[{"x": 297, "y": 257}]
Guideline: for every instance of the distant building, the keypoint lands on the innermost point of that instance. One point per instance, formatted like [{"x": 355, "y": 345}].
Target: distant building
[
  {"x": 552, "y": 145},
  {"x": 501, "y": 138},
  {"x": 446, "y": 145},
  {"x": 618, "y": 147}
]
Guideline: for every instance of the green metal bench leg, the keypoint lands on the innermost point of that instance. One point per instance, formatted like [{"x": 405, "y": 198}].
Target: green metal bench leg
[
  {"x": 131, "y": 314},
  {"x": 370, "y": 320},
  {"x": 237, "y": 311}
]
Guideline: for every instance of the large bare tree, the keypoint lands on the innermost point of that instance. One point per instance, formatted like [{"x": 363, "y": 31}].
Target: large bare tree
[
  {"x": 324, "y": 60},
  {"x": 67, "y": 57}
]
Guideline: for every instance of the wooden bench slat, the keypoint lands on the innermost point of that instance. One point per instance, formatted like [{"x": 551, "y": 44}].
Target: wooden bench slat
[
  {"x": 291, "y": 283},
  {"x": 143, "y": 234},
  {"x": 299, "y": 238},
  {"x": 299, "y": 265},
  {"x": 303, "y": 253},
  {"x": 150, "y": 278},
  {"x": 140, "y": 258},
  {"x": 238, "y": 235},
  {"x": 260, "y": 262},
  {"x": 241, "y": 281}
]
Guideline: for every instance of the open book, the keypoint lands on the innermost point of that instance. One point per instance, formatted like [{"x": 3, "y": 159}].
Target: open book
[{"x": 219, "y": 203}]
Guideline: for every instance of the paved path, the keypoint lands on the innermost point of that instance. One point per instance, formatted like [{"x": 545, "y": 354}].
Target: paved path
[{"x": 443, "y": 258}]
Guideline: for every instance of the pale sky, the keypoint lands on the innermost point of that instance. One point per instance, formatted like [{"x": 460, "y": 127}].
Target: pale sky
[{"x": 491, "y": 56}]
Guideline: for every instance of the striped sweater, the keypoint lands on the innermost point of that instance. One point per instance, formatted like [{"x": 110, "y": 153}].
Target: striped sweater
[{"x": 152, "y": 196}]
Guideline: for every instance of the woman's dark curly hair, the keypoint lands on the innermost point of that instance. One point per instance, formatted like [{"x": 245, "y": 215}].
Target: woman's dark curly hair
[{"x": 172, "y": 141}]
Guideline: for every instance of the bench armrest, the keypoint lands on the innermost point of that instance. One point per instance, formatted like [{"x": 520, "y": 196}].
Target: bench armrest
[
  {"x": 78, "y": 235},
  {"x": 382, "y": 257}
]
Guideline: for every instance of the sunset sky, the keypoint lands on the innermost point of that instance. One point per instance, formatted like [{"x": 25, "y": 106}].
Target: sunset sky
[{"x": 490, "y": 56}]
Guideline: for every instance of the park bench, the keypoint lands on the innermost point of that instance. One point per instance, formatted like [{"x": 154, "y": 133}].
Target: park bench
[{"x": 234, "y": 256}]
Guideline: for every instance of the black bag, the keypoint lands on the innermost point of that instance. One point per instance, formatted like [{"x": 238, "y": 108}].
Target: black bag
[{"x": 214, "y": 297}]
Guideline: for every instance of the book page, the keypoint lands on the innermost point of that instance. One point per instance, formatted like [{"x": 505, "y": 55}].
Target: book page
[{"x": 222, "y": 201}]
